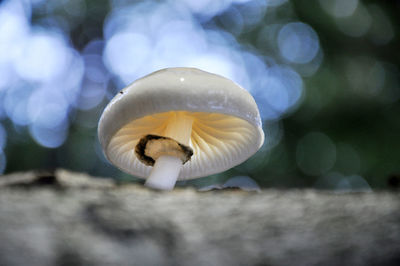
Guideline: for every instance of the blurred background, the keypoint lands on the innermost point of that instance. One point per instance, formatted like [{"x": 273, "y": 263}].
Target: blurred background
[{"x": 325, "y": 75}]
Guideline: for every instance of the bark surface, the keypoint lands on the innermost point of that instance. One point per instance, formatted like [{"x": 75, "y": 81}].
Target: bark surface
[{"x": 67, "y": 218}]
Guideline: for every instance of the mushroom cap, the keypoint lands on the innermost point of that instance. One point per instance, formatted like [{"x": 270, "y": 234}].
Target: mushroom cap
[{"x": 226, "y": 126}]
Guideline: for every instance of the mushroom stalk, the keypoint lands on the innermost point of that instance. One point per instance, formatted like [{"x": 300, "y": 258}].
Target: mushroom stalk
[
  {"x": 165, "y": 172},
  {"x": 166, "y": 169}
]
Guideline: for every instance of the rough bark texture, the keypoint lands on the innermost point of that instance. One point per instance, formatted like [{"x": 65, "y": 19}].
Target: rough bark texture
[{"x": 72, "y": 219}]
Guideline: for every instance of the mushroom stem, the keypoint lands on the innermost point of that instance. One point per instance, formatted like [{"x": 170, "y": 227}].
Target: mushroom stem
[
  {"x": 165, "y": 172},
  {"x": 166, "y": 169}
]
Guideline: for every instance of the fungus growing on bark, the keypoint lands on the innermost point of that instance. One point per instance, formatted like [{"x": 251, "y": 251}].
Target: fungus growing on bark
[{"x": 179, "y": 124}]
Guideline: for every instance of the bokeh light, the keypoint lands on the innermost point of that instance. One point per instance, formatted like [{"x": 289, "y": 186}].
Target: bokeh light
[
  {"x": 245, "y": 183},
  {"x": 357, "y": 24},
  {"x": 14, "y": 29},
  {"x": 47, "y": 108},
  {"x": 125, "y": 53},
  {"x": 298, "y": 43},
  {"x": 339, "y": 8},
  {"x": 49, "y": 137},
  {"x": 16, "y": 102},
  {"x": 277, "y": 91},
  {"x": 43, "y": 56},
  {"x": 242, "y": 182},
  {"x": 381, "y": 31},
  {"x": 365, "y": 75},
  {"x": 315, "y": 153},
  {"x": 348, "y": 160},
  {"x": 342, "y": 183},
  {"x": 353, "y": 183}
]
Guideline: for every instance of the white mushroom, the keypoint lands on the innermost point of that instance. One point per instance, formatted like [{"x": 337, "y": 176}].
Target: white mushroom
[{"x": 179, "y": 124}]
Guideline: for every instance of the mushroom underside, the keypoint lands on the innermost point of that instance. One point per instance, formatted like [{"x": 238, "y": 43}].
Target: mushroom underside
[{"x": 218, "y": 141}]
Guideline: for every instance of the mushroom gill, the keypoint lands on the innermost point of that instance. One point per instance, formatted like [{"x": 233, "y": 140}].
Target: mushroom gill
[{"x": 217, "y": 140}]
